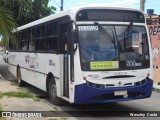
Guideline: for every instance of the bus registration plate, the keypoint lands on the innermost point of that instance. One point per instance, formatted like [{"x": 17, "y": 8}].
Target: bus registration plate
[{"x": 120, "y": 93}]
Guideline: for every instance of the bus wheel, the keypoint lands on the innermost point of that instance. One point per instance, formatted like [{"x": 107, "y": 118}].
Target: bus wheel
[
  {"x": 19, "y": 79},
  {"x": 53, "y": 94}
]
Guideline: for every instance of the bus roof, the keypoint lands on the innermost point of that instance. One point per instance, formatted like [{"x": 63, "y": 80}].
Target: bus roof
[{"x": 72, "y": 13}]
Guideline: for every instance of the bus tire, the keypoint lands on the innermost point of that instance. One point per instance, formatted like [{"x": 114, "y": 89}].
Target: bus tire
[
  {"x": 53, "y": 93},
  {"x": 20, "y": 82}
]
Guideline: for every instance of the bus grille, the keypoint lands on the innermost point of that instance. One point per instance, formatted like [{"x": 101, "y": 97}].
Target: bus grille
[{"x": 112, "y": 85}]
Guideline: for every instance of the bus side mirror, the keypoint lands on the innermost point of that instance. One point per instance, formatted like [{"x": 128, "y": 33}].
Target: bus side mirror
[{"x": 73, "y": 37}]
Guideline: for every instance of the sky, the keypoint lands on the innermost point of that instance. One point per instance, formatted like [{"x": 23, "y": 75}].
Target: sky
[{"x": 149, "y": 4}]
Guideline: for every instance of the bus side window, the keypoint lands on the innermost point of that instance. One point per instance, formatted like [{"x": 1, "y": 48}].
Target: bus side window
[
  {"x": 31, "y": 45},
  {"x": 24, "y": 40},
  {"x": 24, "y": 45},
  {"x": 51, "y": 44},
  {"x": 49, "y": 29},
  {"x": 38, "y": 32},
  {"x": 18, "y": 47},
  {"x": 52, "y": 36},
  {"x": 32, "y": 40},
  {"x": 38, "y": 38},
  {"x": 39, "y": 45}
]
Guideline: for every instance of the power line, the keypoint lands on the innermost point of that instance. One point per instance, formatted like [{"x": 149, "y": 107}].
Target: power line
[
  {"x": 56, "y": 3},
  {"x": 61, "y": 7}
]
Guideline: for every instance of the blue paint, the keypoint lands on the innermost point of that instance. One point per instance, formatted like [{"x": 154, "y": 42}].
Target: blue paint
[{"x": 84, "y": 93}]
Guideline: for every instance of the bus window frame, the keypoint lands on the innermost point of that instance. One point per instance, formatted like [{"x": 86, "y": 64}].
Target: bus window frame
[
  {"x": 117, "y": 47},
  {"x": 60, "y": 21}
]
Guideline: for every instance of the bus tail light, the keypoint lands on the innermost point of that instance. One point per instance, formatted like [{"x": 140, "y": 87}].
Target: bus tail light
[
  {"x": 84, "y": 78},
  {"x": 148, "y": 75}
]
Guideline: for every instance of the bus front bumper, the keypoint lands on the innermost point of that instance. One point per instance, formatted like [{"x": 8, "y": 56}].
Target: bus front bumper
[{"x": 85, "y": 94}]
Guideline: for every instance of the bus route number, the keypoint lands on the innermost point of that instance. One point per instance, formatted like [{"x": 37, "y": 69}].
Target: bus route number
[{"x": 130, "y": 63}]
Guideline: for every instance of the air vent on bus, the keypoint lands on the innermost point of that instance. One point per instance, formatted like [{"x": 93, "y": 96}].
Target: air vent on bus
[
  {"x": 112, "y": 85},
  {"x": 99, "y": 85},
  {"x": 140, "y": 82},
  {"x": 119, "y": 76},
  {"x": 95, "y": 85},
  {"x": 128, "y": 84}
]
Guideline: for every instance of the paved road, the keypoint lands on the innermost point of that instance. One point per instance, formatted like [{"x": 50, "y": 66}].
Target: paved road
[{"x": 150, "y": 104}]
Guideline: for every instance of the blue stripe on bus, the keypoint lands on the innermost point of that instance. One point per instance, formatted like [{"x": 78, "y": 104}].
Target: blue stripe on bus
[{"x": 84, "y": 94}]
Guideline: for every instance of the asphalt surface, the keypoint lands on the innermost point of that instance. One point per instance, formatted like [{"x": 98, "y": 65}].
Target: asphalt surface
[{"x": 149, "y": 104}]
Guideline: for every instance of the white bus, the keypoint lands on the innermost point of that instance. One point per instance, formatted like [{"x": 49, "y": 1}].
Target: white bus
[{"x": 85, "y": 55}]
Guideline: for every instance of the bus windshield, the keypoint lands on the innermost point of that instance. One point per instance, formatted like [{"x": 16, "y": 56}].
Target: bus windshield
[{"x": 106, "y": 47}]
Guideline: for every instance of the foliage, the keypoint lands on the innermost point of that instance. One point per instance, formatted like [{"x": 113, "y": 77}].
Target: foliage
[
  {"x": 40, "y": 10},
  {"x": 7, "y": 19},
  {"x": 14, "y": 13},
  {"x": 22, "y": 94},
  {"x": 7, "y": 24}
]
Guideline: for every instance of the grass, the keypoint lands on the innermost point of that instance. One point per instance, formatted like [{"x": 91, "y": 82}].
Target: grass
[
  {"x": 36, "y": 99},
  {"x": 54, "y": 109},
  {"x": 1, "y": 109},
  {"x": 1, "y": 118},
  {"x": 22, "y": 94},
  {"x": 17, "y": 94}
]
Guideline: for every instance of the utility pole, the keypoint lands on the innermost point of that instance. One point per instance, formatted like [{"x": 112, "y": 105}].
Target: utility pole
[
  {"x": 61, "y": 5},
  {"x": 142, "y": 3}
]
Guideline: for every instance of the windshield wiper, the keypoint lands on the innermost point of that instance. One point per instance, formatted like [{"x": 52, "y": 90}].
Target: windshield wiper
[
  {"x": 140, "y": 55},
  {"x": 129, "y": 29},
  {"x": 114, "y": 41},
  {"x": 124, "y": 42},
  {"x": 103, "y": 31}
]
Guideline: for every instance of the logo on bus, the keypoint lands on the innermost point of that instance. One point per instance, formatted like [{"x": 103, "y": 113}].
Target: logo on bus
[
  {"x": 32, "y": 61},
  {"x": 51, "y": 63},
  {"x": 93, "y": 76}
]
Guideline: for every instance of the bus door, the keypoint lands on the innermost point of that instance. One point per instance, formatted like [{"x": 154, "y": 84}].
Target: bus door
[
  {"x": 66, "y": 63},
  {"x": 66, "y": 47}
]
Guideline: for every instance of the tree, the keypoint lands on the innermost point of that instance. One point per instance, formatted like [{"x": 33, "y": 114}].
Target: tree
[
  {"x": 7, "y": 20},
  {"x": 40, "y": 10}
]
